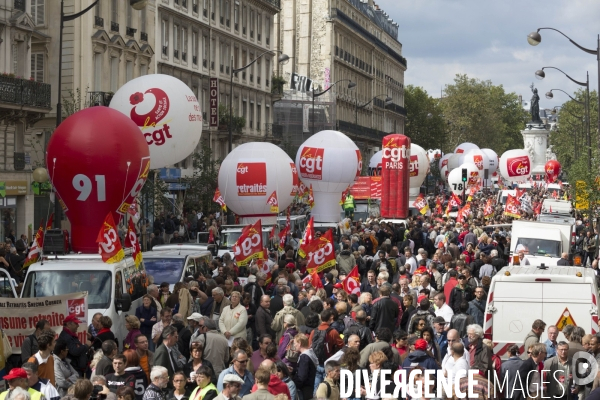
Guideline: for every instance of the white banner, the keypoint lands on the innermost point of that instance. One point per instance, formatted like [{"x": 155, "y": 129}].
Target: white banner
[
  {"x": 19, "y": 316},
  {"x": 306, "y": 110}
]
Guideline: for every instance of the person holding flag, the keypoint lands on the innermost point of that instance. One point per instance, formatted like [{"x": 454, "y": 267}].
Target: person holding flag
[{"x": 349, "y": 205}]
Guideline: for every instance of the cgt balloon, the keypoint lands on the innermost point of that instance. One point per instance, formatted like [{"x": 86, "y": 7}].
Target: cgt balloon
[
  {"x": 552, "y": 169},
  {"x": 166, "y": 111},
  {"x": 98, "y": 162},
  {"x": 515, "y": 165}
]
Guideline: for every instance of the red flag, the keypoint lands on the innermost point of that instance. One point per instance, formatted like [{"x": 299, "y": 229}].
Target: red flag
[
  {"x": 537, "y": 209},
  {"x": 109, "y": 245},
  {"x": 438, "y": 206},
  {"x": 50, "y": 222},
  {"x": 311, "y": 198},
  {"x": 38, "y": 243},
  {"x": 321, "y": 253},
  {"x": 512, "y": 207},
  {"x": 352, "y": 281},
  {"x": 131, "y": 240},
  {"x": 344, "y": 194},
  {"x": 488, "y": 211},
  {"x": 455, "y": 200},
  {"x": 315, "y": 280},
  {"x": 282, "y": 238},
  {"x": 218, "y": 198},
  {"x": 272, "y": 201},
  {"x": 421, "y": 204},
  {"x": 301, "y": 189},
  {"x": 211, "y": 236},
  {"x": 309, "y": 234},
  {"x": 272, "y": 234},
  {"x": 249, "y": 245},
  {"x": 288, "y": 221}
]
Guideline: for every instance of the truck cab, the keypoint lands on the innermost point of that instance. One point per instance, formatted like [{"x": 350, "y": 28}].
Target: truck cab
[{"x": 543, "y": 241}]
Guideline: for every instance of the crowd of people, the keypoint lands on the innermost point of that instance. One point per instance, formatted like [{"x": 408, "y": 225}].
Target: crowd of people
[{"x": 420, "y": 307}]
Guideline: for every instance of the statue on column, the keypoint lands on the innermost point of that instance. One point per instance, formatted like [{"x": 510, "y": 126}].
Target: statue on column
[{"x": 534, "y": 108}]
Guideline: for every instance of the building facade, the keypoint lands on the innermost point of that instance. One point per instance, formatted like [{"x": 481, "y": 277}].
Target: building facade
[
  {"x": 24, "y": 101},
  {"x": 200, "y": 41},
  {"x": 333, "y": 40}
]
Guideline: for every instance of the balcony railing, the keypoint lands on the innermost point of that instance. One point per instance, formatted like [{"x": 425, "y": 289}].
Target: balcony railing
[
  {"x": 144, "y": 37},
  {"x": 275, "y": 3},
  {"x": 114, "y": 26},
  {"x": 354, "y": 129},
  {"x": 130, "y": 31},
  {"x": 99, "y": 21},
  {"x": 24, "y": 92},
  {"x": 396, "y": 108},
  {"x": 19, "y": 5},
  {"x": 100, "y": 98}
]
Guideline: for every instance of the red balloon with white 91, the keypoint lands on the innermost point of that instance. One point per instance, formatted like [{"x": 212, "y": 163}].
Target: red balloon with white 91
[{"x": 98, "y": 163}]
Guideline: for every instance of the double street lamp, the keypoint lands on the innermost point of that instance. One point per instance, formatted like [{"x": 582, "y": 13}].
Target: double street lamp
[
  {"x": 534, "y": 38},
  {"x": 540, "y": 74},
  {"x": 282, "y": 58},
  {"x": 388, "y": 100},
  {"x": 137, "y": 5},
  {"x": 351, "y": 85}
]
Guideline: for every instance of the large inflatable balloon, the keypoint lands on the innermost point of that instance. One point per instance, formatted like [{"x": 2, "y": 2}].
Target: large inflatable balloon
[
  {"x": 515, "y": 165},
  {"x": 479, "y": 158},
  {"x": 419, "y": 166},
  {"x": 464, "y": 147},
  {"x": 454, "y": 161},
  {"x": 434, "y": 154},
  {"x": 552, "y": 169},
  {"x": 166, "y": 111},
  {"x": 455, "y": 181},
  {"x": 443, "y": 165},
  {"x": 474, "y": 175},
  {"x": 493, "y": 160},
  {"x": 250, "y": 174},
  {"x": 98, "y": 162},
  {"x": 328, "y": 161},
  {"x": 395, "y": 176},
  {"x": 375, "y": 163}
]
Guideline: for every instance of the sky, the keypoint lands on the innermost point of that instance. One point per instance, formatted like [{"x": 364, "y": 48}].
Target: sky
[{"x": 487, "y": 40}]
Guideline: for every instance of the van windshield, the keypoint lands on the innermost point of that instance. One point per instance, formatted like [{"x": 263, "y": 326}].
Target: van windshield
[
  {"x": 164, "y": 269},
  {"x": 52, "y": 283},
  {"x": 541, "y": 247},
  {"x": 228, "y": 239}
]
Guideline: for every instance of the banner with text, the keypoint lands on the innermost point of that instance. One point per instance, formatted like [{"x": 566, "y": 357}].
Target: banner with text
[{"x": 19, "y": 316}]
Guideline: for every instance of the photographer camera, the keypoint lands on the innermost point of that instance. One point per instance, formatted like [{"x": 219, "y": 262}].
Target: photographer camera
[{"x": 101, "y": 391}]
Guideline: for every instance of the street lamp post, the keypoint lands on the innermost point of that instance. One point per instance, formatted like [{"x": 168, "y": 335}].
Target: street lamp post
[
  {"x": 282, "y": 58},
  {"x": 136, "y": 4},
  {"x": 534, "y": 38},
  {"x": 388, "y": 100},
  {"x": 314, "y": 95},
  {"x": 540, "y": 74}
]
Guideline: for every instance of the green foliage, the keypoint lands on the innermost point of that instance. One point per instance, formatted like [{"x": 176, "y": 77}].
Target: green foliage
[
  {"x": 238, "y": 122},
  {"x": 482, "y": 113},
  {"x": 277, "y": 83},
  {"x": 203, "y": 183},
  {"x": 152, "y": 196},
  {"x": 427, "y": 132}
]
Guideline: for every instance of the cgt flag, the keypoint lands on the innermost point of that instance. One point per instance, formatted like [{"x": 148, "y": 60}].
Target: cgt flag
[
  {"x": 249, "y": 246},
  {"x": 311, "y": 197},
  {"x": 109, "y": 244},
  {"x": 512, "y": 207},
  {"x": 38, "y": 244},
  {"x": 321, "y": 253},
  {"x": 309, "y": 234},
  {"x": 218, "y": 198},
  {"x": 131, "y": 241},
  {"x": 352, "y": 281},
  {"x": 272, "y": 201},
  {"x": 488, "y": 211},
  {"x": 421, "y": 204},
  {"x": 50, "y": 222},
  {"x": 282, "y": 239}
]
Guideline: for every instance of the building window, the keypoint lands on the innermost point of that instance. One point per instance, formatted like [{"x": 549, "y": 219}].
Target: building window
[
  {"x": 221, "y": 12},
  {"x": 244, "y": 110},
  {"x": 236, "y": 11},
  {"x": 143, "y": 69},
  {"x": 38, "y": 11},
  {"x": 213, "y": 7},
  {"x": 252, "y": 23},
  {"x": 258, "y": 71},
  {"x": 184, "y": 43},
  {"x": 165, "y": 37},
  {"x": 98, "y": 10},
  {"x": 129, "y": 16},
  {"x": 114, "y": 74},
  {"x": 195, "y": 47},
  {"x": 258, "y": 117},
  {"x": 37, "y": 67},
  {"x": 251, "y": 115},
  {"x": 227, "y": 13},
  {"x": 176, "y": 41},
  {"x": 213, "y": 53},
  {"x": 114, "y": 11},
  {"x": 267, "y": 30},
  {"x": 129, "y": 71},
  {"x": 204, "y": 51},
  {"x": 259, "y": 28},
  {"x": 244, "y": 22},
  {"x": 97, "y": 72}
]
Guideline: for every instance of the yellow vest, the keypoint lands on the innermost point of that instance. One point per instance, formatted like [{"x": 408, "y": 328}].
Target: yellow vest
[
  {"x": 203, "y": 391},
  {"x": 35, "y": 395},
  {"x": 349, "y": 202}
]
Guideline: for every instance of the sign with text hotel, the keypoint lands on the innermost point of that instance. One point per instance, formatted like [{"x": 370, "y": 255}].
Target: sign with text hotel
[{"x": 214, "y": 102}]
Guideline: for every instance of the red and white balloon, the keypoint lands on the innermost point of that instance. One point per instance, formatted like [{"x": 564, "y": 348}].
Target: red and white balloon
[
  {"x": 515, "y": 165},
  {"x": 166, "y": 111},
  {"x": 552, "y": 169}
]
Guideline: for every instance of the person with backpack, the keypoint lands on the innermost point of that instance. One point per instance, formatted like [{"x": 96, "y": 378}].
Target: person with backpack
[
  {"x": 306, "y": 371},
  {"x": 329, "y": 389},
  {"x": 360, "y": 329},
  {"x": 325, "y": 342},
  {"x": 286, "y": 343}
]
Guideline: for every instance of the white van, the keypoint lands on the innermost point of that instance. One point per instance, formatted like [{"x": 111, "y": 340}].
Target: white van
[
  {"x": 113, "y": 290},
  {"x": 556, "y": 295},
  {"x": 173, "y": 262}
]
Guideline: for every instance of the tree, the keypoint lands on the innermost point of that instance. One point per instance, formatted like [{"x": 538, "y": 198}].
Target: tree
[
  {"x": 424, "y": 130},
  {"x": 482, "y": 113},
  {"x": 203, "y": 183}
]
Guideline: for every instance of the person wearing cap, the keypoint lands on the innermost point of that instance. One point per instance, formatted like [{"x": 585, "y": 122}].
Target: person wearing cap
[
  {"x": 17, "y": 378},
  {"x": 77, "y": 350},
  {"x": 420, "y": 358},
  {"x": 193, "y": 324},
  {"x": 44, "y": 386},
  {"x": 441, "y": 337},
  {"x": 336, "y": 288},
  {"x": 231, "y": 388}
]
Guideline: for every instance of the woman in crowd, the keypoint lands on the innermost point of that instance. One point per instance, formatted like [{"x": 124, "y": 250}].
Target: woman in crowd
[
  {"x": 233, "y": 319},
  {"x": 283, "y": 373},
  {"x": 180, "y": 390},
  {"x": 147, "y": 315},
  {"x": 196, "y": 361},
  {"x": 205, "y": 390},
  {"x": 104, "y": 333},
  {"x": 132, "y": 324},
  {"x": 137, "y": 378}
]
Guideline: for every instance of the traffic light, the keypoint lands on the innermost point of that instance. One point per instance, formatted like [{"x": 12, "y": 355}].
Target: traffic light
[{"x": 464, "y": 175}]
